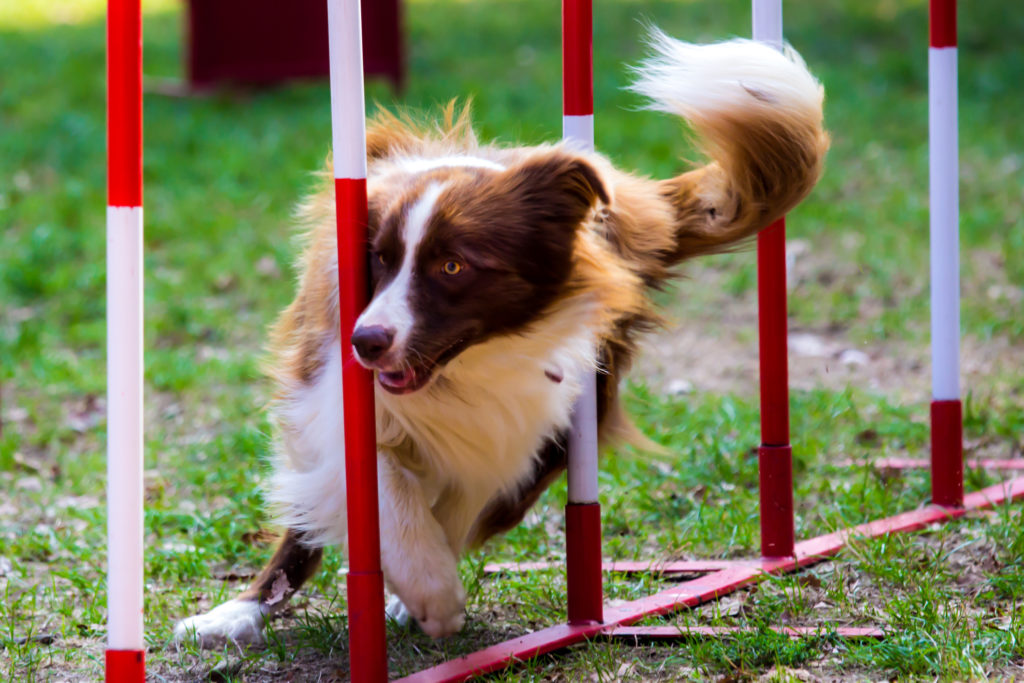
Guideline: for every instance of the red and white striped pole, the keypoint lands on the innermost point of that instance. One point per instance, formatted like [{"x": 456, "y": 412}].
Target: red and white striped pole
[
  {"x": 775, "y": 455},
  {"x": 946, "y": 411},
  {"x": 365, "y": 581},
  {"x": 125, "y": 654},
  {"x": 583, "y": 511}
]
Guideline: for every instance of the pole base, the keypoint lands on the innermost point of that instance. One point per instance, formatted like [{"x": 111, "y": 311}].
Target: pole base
[
  {"x": 583, "y": 563},
  {"x": 775, "y": 469},
  {"x": 366, "y": 635},
  {"x": 126, "y": 666},
  {"x": 947, "y": 453}
]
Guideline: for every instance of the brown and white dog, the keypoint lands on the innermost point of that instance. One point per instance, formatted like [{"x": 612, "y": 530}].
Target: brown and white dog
[{"x": 501, "y": 276}]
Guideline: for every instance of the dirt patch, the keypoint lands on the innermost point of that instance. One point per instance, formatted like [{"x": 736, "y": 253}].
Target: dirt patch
[
  {"x": 710, "y": 344},
  {"x": 685, "y": 358}
]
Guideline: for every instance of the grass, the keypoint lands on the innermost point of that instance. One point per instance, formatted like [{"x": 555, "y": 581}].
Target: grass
[{"x": 222, "y": 175}]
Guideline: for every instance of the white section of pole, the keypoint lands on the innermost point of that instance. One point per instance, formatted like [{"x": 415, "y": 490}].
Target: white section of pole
[
  {"x": 348, "y": 103},
  {"x": 579, "y": 131},
  {"x": 767, "y": 20},
  {"x": 944, "y": 202},
  {"x": 582, "y": 475},
  {"x": 124, "y": 429}
]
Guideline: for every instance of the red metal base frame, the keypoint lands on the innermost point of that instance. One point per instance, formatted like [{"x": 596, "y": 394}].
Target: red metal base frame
[
  {"x": 706, "y": 588},
  {"x": 125, "y": 666},
  {"x": 642, "y": 634},
  {"x": 1011, "y": 464},
  {"x": 584, "y": 594},
  {"x": 628, "y": 567}
]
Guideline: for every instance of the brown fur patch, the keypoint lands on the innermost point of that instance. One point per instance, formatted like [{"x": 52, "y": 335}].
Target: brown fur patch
[{"x": 292, "y": 564}]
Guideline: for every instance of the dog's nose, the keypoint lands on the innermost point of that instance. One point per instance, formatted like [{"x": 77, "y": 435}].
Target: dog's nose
[{"x": 371, "y": 342}]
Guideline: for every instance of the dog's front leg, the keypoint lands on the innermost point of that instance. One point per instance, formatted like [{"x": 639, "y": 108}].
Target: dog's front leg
[
  {"x": 241, "y": 620},
  {"x": 418, "y": 563},
  {"x": 457, "y": 510}
]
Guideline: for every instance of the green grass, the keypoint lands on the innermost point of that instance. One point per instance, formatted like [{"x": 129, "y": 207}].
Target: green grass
[{"x": 222, "y": 176}]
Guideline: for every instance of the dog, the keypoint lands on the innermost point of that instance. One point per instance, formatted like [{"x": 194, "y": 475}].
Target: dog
[{"x": 501, "y": 277}]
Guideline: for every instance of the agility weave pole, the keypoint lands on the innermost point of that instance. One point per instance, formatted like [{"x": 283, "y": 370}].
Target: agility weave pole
[
  {"x": 584, "y": 593},
  {"x": 365, "y": 580},
  {"x": 944, "y": 215},
  {"x": 947, "y": 461},
  {"x": 125, "y": 652},
  {"x": 775, "y": 455}
]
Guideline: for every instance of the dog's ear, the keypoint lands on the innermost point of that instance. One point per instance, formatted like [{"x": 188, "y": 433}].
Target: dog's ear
[
  {"x": 524, "y": 220},
  {"x": 554, "y": 189}
]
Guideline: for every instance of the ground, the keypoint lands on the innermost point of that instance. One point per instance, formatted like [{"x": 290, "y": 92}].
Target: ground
[{"x": 222, "y": 176}]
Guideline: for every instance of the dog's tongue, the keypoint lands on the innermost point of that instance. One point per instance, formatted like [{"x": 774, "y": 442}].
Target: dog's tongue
[{"x": 398, "y": 379}]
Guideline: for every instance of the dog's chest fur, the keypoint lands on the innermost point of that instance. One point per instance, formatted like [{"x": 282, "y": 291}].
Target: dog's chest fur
[{"x": 479, "y": 425}]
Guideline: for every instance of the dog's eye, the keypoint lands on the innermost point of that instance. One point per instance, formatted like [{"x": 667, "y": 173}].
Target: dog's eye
[
  {"x": 451, "y": 268},
  {"x": 380, "y": 259}
]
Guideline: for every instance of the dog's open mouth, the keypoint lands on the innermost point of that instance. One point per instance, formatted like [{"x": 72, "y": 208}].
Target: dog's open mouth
[
  {"x": 405, "y": 380},
  {"x": 410, "y": 377}
]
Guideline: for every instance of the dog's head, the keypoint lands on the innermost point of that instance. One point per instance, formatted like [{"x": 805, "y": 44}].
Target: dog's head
[{"x": 464, "y": 252}]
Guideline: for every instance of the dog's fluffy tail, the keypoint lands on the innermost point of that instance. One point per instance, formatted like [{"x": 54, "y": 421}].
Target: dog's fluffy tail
[{"x": 757, "y": 113}]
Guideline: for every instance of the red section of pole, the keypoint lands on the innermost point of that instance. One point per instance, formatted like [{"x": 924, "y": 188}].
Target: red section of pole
[
  {"x": 583, "y": 563},
  {"x": 124, "y": 103},
  {"x": 947, "y": 453},
  {"x": 360, "y": 424},
  {"x": 125, "y": 666},
  {"x": 775, "y": 459},
  {"x": 942, "y": 23},
  {"x": 368, "y": 660},
  {"x": 577, "y": 58},
  {"x": 775, "y": 470},
  {"x": 367, "y": 645},
  {"x": 771, "y": 300}
]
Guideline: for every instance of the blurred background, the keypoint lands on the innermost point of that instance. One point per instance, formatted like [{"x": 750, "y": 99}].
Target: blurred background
[{"x": 225, "y": 165}]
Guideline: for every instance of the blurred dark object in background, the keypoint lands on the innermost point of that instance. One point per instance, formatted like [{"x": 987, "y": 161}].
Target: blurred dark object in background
[{"x": 265, "y": 42}]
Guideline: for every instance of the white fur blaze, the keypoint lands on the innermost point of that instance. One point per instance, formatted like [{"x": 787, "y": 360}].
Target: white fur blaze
[
  {"x": 235, "y": 621},
  {"x": 392, "y": 307}
]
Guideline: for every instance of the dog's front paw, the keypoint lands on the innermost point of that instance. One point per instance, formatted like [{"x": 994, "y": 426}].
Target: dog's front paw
[
  {"x": 397, "y": 612},
  {"x": 236, "y": 621},
  {"x": 439, "y": 606}
]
